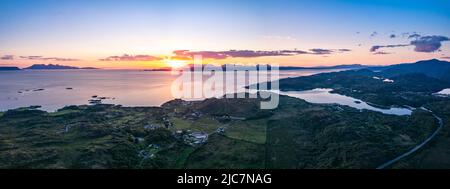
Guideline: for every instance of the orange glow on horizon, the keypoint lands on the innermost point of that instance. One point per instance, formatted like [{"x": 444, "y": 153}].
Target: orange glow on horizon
[
  {"x": 358, "y": 56},
  {"x": 175, "y": 63}
]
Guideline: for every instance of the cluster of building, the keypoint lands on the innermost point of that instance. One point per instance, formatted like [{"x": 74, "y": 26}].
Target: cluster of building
[{"x": 195, "y": 138}]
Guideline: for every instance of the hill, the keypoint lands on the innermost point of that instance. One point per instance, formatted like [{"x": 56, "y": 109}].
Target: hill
[
  {"x": 295, "y": 135},
  {"x": 403, "y": 84},
  {"x": 9, "y": 68},
  {"x": 351, "y": 66},
  {"x": 54, "y": 67},
  {"x": 432, "y": 68}
]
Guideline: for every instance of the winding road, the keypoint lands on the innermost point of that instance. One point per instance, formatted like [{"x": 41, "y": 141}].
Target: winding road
[{"x": 441, "y": 125}]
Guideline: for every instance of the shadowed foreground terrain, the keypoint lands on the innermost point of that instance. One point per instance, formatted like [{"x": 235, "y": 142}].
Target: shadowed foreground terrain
[
  {"x": 295, "y": 135},
  {"x": 236, "y": 133}
]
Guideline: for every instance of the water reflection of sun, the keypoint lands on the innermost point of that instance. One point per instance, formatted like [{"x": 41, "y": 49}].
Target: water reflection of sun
[{"x": 175, "y": 63}]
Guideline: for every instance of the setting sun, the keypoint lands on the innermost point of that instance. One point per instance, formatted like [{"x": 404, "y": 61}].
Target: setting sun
[{"x": 175, "y": 63}]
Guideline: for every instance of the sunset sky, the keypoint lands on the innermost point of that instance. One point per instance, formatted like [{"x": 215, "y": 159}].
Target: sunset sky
[{"x": 145, "y": 34}]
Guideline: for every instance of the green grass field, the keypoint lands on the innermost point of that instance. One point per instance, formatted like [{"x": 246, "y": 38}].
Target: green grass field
[
  {"x": 251, "y": 130},
  {"x": 222, "y": 152},
  {"x": 204, "y": 124}
]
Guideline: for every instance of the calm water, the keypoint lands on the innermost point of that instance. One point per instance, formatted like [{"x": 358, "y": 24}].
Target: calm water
[
  {"x": 48, "y": 88},
  {"x": 323, "y": 96}
]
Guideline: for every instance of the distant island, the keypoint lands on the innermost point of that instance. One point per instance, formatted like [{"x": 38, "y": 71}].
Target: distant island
[
  {"x": 55, "y": 67},
  {"x": 9, "y": 68}
]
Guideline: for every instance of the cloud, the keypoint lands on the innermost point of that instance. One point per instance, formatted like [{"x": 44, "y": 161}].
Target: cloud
[
  {"x": 48, "y": 58},
  {"x": 321, "y": 51},
  {"x": 421, "y": 43},
  {"x": 409, "y": 35},
  {"x": 31, "y": 57},
  {"x": 294, "y": 52},
  {"x": 7, "y": 57},
  {"x": 127, "y": 57},
  {"x": 235, "y": 53},
  {"x": 381, "y": 53},
  {"x": 428, "y": 43},
  {"x": 61, "y": 59},
  {"x": 374, "y": 34},
  {"x": 252, "y": 54},
  {"x": 186, "y": 54},
  {"x": 344, "y": 50},
  {"x": 377, "y": 47},
  {"x": 413, "y": 36}
]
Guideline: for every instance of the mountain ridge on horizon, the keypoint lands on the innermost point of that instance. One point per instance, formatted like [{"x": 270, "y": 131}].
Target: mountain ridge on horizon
[
  {"x": 422, "y": 64},
  {"x": 432, "y": 68},
  {"x": 54, "y": 67}
]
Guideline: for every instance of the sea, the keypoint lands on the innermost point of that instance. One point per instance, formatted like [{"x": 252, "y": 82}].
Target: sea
[
  {"x": 51, "y": 90},
  {"x": 55, "y": 89}
]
